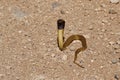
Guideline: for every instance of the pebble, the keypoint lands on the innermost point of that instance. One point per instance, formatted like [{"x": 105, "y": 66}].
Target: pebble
[
  {"x": 39, "y": 77},
  {"x": 49, "y": 49},
  {"x": 92, "y": 61},
  {"x": 64, "y": 57},
  {"x": 116, "y": 46},
  {"x": 101, "y": 67},
  {"x": 114, "y": 1},
  {"x": 17, "y": 78},
  {"x": 81, "y": 61},
  {"x": 87, "y": 36},
  {"x": 18, "y": 13},
  {"x": 117, "y": 51},
  {"x": 55, "y": 5},
  {"x": 103, "y": 30},
  {"x": 2, "y": 75},
  {"x": 72, "y": 48},
  {"x": 62, "y": 12},
  {"x": 29, "y": 40},
  {"x": 20, "y": 31},
  {"x": 53, "y": 55},
  {"x": 104, "y": 21},
  {"x": 117, "y": 77},
  {"x": 8, "y": 67},
  {"x": 114, "y": 61},
  {"x": 90, "y": 28},
  {"x": 103, "y": 5},
  {"x": 118, "y": 42},
  {"x": 117, "y": 33},
  {"x": 111, "y": 43},
  {"x": 112, "y": 11}
]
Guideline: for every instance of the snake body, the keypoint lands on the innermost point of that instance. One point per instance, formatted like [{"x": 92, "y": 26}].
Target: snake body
[{"x": 64, "y": 44}]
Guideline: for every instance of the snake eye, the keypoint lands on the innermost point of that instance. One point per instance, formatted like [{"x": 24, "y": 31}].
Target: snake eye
[{"x": 60, "y": 24}]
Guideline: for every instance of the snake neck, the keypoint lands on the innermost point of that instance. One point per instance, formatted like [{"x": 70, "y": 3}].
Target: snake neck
[{"x": 60, "y": 39}]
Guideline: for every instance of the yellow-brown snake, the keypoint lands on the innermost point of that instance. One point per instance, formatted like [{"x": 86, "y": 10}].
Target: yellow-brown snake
[{"x": 63, "y": 44}]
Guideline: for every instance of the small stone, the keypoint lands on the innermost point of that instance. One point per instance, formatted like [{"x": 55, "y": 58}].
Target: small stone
[
  {"x": 116, "y": 46},
  {"x": 114, "y": 61},
  {"x": 114, "y": 1},
  {"x": 77, "y": 73},
  {"x": 49, "y": 49},
  {"x": 2, "y": 75},
  {"x": 118, "y": 42},
  {"x": 81, "y": 61},
  {"x": 97, "y": 9},
  {"x": 117, "y": 33},
  {"x": 8, "y": 67},
  {"x": 103, "y": 30},
  {"x": 53, "y": 55},
  {"x": 101, "y": 67},
  {"x": 17, "y": 78},
  {"x": 117, "y": 51},
  {"x": 106, "y": 39},
  {"x": 18, "y": 13},
  {"x": 39, "y": 77},
  {"x": 87, "y": 36},
  {"x": 64, "y": 57},
  {"x": 62, "y": 12},
  {"x": 112, "y": 11},
  {"x": 112, "y": 18},
  {"x": 25, "y": 47},
  {"x": 51, "y": 39},
  {"x": 117, "y": 77},
  {"x": 111, "y": 43},
  {"x": 112, "y": 33},
  {"x": 55, "y": 5},
  {"x": 91, "y": 28},
  {"x": 104, "y": 21},
  {"x": 72, "y": 48},
  {"x": 102, "y": 5},
  {"x": 29, "y": 40},
  {"x": 43, "y": 44},
  {"x": 92, "y": 60},
  {"x": 20, "y": 31}
]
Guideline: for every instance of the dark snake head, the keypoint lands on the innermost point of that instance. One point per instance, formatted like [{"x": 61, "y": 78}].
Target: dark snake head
[{"x": 60, "y": 24}]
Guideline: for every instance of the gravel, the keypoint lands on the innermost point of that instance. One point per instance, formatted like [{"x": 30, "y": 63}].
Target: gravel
[{"x": 114, "y": 1}]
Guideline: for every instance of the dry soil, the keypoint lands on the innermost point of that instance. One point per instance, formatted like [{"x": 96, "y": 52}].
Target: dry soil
[{"x": 28, "y": 40}]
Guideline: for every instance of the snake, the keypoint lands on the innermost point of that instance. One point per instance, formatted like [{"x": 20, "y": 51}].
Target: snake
[{"x": 64, "y": 44}]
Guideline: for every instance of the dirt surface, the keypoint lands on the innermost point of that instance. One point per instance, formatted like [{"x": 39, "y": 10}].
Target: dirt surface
[{"x": 28, "y": 40}]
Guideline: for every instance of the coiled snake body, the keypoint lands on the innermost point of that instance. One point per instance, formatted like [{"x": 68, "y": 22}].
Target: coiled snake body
[{"x": 62, "y": 45}]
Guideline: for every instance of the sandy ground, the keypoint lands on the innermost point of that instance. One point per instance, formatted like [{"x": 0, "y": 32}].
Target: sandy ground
[{"x": 28, "y": 40}]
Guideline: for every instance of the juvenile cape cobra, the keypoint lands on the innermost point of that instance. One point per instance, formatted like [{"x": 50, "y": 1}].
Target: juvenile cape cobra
[{"x": 63, "y": 44}]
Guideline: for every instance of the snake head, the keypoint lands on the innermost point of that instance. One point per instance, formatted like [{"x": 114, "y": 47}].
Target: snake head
[{"x": 61, "y": 24}]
